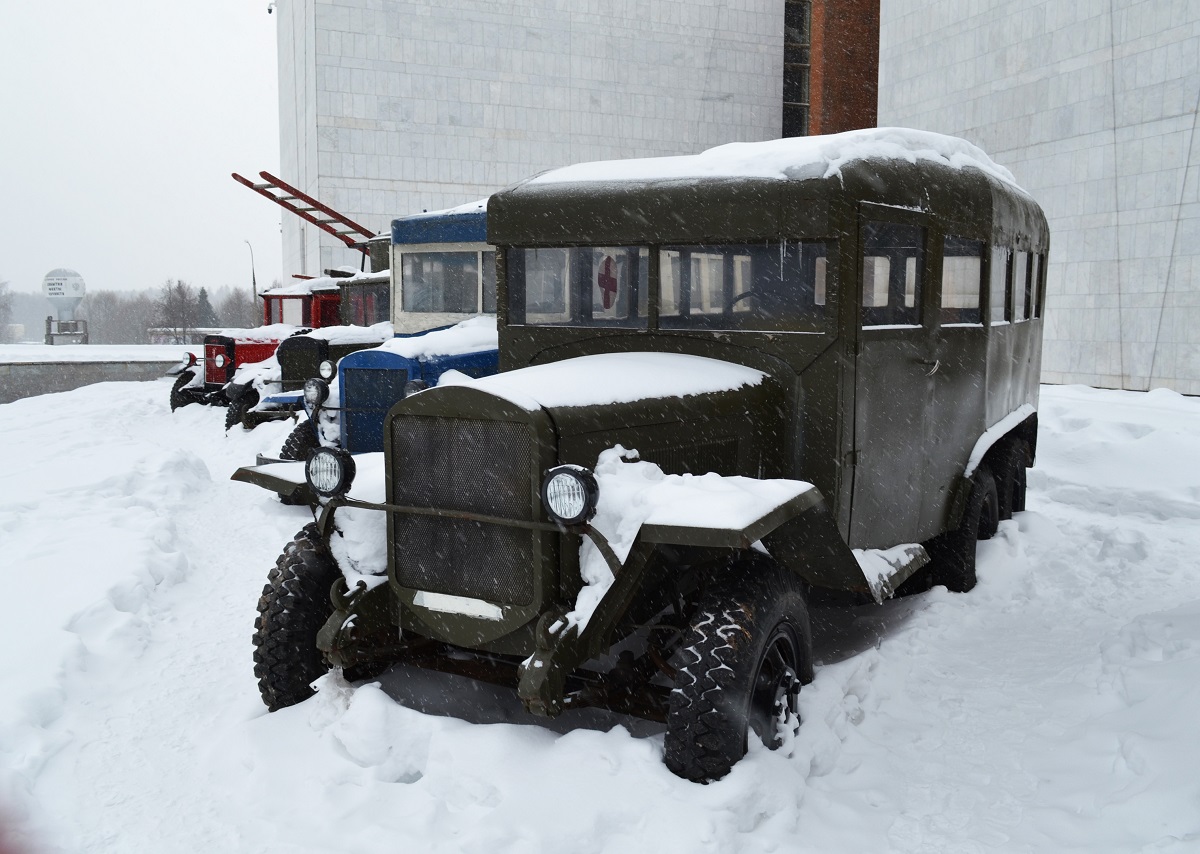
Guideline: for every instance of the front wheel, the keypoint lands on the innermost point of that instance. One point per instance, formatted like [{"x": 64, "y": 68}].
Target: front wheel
[
  {"x": 178, "y": 396},
  {"x": 292, "y": 609},
  {"x": 239, "y": 409},
  {"x": 746, "y": 651},
  {"x": 301, "y": 442}
]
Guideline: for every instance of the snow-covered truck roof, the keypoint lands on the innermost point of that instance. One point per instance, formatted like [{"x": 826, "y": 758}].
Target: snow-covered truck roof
[
  {"x": 756, "y": 190},
  {"x": 792, "y": 158}
]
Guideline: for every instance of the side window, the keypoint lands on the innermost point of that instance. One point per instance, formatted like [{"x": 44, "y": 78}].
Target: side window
[
  {"x": 962, "y": 281},
  {"x": 545, "y": 276},
  {"x": 779, "y": 285},
  {"x": 293, "y": 311},
  {"x": 1020, "y": 286},
  {"x": 1001, "y": 281},
  {"x": 1038, "y": 290},
  {"x": 893, "y": 265},
  {"x": 578, "y": 286},
  {"x": 489, "y": 282},
  {"x": 617, "y": 280}
]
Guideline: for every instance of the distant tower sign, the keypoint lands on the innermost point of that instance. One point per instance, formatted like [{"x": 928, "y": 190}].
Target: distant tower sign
[{"x": 65, "y": 290}]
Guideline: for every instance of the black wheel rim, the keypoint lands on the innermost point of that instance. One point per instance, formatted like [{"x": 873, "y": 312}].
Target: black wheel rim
[{"x": 776, "y": 687}]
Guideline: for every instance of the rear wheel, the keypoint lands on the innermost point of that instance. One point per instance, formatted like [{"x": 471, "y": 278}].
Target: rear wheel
[
  {"x": 178, "y": 396},
  {"x": 738, "y": 669},
  {"x": 952, "y": 554},
  {"x": 1011, "y": 477},
  {"x": 1019, "y": 476}
]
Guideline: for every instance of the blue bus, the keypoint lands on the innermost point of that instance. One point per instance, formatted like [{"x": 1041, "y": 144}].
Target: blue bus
[{"x": 443, "y": 280}]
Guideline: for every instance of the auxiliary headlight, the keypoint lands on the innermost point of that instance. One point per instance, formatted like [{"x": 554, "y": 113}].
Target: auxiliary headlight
[
  {"x": 414, "y": 386},
  {"x": 569, "y": 494},
  {"x": 327, "y": 369},
  {"x": 316, "y": 391},
  {"x": 219, "y": 360},
  {"x": 329, "y": 471}
]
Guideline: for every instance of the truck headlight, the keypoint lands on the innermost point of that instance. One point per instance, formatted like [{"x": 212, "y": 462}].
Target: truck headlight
[
  {"x": 329, "y": 471},
  {"x": 569, "y": 494},
  {"x": 316, "y": 391},
  {"x": 327, "y": 369}
]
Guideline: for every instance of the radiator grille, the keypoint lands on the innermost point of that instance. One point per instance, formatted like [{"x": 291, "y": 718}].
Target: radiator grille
[
  {"x": 299, "y": 358},
  {"x": 367, "y": 395},
  {"x": 467, "y": 465},
  {"x": 719, "y": 456}
]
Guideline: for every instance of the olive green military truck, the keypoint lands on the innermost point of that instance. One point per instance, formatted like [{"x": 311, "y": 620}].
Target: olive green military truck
[{"x": 729, "y": 382}]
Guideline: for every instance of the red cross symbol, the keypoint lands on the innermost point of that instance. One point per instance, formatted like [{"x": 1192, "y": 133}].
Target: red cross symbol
[{"x": 607, "y": 281}]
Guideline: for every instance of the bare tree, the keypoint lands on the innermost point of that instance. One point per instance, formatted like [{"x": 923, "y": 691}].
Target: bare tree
[
  {"x": 237, "y": 310},
  {"x": 5, "y": 311},
  {"x": 176, "y": 309},
  {"x": 119, "y": 317}
]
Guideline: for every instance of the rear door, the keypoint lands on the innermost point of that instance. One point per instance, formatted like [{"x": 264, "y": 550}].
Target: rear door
[{"x": 894, "y": 372}]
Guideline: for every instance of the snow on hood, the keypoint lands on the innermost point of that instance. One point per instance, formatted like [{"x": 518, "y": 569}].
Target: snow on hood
[
  {"x": 795, "y": 158},
  {"x": 264, "y": 375},
  {"x": 634, "y": 493},
  {"x": 354, "y": 334},
  {"x": 608, "y": 378},
  {"x": 469, "y": 336}
]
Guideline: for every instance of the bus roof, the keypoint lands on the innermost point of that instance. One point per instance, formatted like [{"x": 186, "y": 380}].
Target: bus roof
[
  {"x": 757, "y": 190},
  {"x": 463, "y": 224},
  {"x": 791, "y": 158}
]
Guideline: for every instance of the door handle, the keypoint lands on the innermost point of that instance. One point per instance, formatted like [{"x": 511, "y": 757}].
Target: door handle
[{"x": 932, "y": 364}]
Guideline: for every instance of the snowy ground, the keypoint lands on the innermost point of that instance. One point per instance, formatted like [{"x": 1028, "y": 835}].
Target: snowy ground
[{"x": 1052, "y": 709}]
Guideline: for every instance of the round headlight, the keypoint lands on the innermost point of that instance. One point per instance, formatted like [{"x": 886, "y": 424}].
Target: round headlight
[
  {"x": 219, "y": 360},
  {"x": 329, "y": 471},
  {"x": 316, "y": 391},
  {"x": 570, "y": 494},
  {"x": 327, "y": 369},
  {"x": 414, "y": 386}
]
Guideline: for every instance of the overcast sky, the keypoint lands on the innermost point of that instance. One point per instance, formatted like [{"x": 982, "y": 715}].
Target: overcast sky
[{"x": 120, "y": 123}]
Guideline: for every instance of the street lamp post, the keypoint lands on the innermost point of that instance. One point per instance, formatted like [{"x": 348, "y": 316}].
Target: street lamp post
[{"x": 253, "y": 280}]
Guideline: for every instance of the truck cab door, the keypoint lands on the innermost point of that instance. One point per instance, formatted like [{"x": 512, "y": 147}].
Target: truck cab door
[{"x": 894, "y": 370}]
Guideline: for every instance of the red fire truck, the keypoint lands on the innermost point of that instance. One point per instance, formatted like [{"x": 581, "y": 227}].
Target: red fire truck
[{"x": 301, "y": 307}]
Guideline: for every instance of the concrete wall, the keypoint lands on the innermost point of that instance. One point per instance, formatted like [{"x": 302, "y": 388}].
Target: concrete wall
[
  {"x": 390, "y": 107},
  {"x": 1094, "y": 109},
  {"x": 29, "y": 379}
]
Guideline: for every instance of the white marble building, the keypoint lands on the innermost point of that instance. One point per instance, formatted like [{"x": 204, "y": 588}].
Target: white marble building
[
  {"x": 1093, "y": 107},
  {"x": 390, "y": 107}
]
